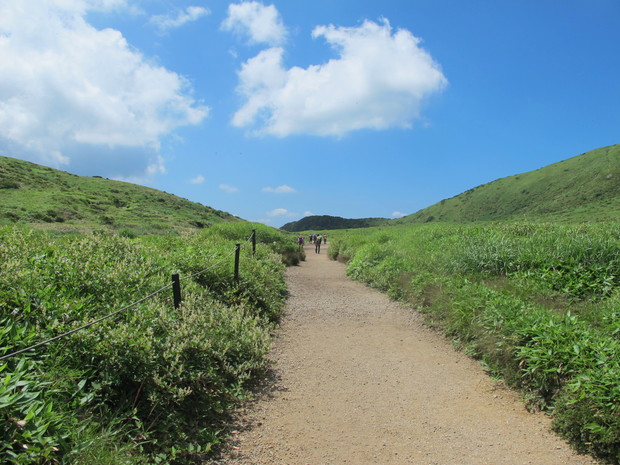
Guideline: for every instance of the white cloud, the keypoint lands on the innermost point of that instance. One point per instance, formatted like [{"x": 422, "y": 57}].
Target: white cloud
[
  {"x": 261, "y": 78},
  {"x": 398, "y": 214},
  {"x": 76, "y": 96},
  {"x": 228, "y": 188},
  {"x": 379, "y": 81},
  {"x": 278, "y": 212},
  {"x": 191, "y": 13},
  {"x": 197, "y": 180},
  {"x": 308, "y": 213},
  {"x": 262, "y": 24},
  {"x": 281, "y": 212},
  {"x": 280, "y": 190}
]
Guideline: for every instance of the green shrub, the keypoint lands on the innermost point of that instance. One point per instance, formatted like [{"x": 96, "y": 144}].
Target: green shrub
[
  {"x": 6, "y": 184},
  {"x": 33, "y": 430},
  {"x": 152, "y": 383},
  {"x": 127, "y": 233},
  {"x": 587, "y": 414}
]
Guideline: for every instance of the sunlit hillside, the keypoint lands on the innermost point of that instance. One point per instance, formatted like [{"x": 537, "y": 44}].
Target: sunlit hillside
[
  {"x": 44, "y": 197},
  {"x": 582, "y": 188}
]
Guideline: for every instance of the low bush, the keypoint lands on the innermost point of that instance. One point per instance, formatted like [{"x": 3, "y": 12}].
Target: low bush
[{"x": 151, "y": 384}]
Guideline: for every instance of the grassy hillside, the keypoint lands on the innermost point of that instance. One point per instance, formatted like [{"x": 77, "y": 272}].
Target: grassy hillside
[
  {"x": 37, "y": 195},
  {"x": 582, "y": 188},
  {"x": 326, "y": 222}
]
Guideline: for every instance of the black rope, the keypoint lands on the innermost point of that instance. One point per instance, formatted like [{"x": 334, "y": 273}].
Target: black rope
[
  {"x": 87, "y": 325},
  {"x": 60, "y": 336},
  {"x": 209, "y": 268}
]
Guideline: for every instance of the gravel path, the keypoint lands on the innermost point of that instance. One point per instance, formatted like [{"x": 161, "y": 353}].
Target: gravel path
[{"x": 359, "y": 380}]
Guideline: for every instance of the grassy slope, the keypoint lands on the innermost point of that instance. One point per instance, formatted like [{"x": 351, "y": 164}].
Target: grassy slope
[
  {"x": 582, "y": 188},
  {"x": 37, "y": 195}
]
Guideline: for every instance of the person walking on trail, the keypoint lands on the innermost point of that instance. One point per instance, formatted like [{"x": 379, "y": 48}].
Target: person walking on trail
[
  {"x": 317, "y": 243},
  {"x": 300, "y": 241}
]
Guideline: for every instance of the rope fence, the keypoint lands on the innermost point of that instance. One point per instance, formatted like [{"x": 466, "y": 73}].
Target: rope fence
[{"x": 176, "y": 294}]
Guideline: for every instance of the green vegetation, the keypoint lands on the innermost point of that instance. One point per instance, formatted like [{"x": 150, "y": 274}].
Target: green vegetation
[
  {"x": 43, "y": 197},
  {"x": 582, "y": 188},
  {"x": 537, "y": 303},
  {"x": 151, "y": 384},
  {"x": 325, "y": 222}
]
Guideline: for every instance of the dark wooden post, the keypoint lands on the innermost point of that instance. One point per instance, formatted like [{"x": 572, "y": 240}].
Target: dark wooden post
[
  {"x": 176, "y": 290},
  {"x": 237, "y": 252}
]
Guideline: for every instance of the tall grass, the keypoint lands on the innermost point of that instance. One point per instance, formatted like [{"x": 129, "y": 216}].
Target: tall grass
[
  {"x": 538, "y": 304},
  {"x": 153, "y": 384}
]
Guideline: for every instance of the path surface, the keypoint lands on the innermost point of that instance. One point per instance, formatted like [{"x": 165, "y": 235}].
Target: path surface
[{"x": 359, "y": 380}]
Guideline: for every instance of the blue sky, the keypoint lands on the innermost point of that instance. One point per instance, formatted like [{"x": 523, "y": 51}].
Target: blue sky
[{"x": 276, "y": 110}]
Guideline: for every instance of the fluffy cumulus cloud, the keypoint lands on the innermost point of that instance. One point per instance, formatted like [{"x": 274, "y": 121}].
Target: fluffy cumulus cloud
[
  {"x": 280, "y": 190},
  {"x": 398, "y": 214},
  {"x": 259, "y": 23},
  {"x": 379, "y": 80},
  {"x": 73, "y": 95},
  {"x": 167, "y": 22}
]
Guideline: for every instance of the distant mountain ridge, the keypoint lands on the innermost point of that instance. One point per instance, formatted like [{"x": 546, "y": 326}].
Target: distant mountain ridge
[
  {"x": 326, "y": 222},
  {"x": 37, "y": 195}
]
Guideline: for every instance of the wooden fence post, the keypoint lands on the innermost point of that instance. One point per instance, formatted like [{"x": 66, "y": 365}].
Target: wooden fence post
[
  {"x": 176, "y": 290},
  {"x": 237, "y": 251}
]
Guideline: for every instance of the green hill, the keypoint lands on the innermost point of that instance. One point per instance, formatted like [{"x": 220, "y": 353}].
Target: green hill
[
  {"x": 582, "y": 188},
  {"x": 44, "y": 197},
  {"x": 327, "y": 223}
]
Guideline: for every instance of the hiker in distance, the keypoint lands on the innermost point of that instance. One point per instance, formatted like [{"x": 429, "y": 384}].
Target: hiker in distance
[{"x": 317, "y": 243}]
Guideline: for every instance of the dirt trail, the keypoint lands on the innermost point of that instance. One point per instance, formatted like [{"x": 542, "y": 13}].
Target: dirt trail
[{"x": 359, "y": 380}]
